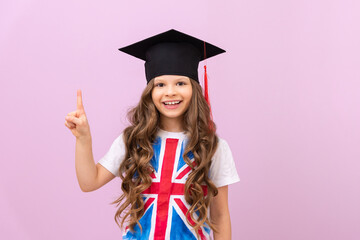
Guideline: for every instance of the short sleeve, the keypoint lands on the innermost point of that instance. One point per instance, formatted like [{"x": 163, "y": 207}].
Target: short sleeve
[
  {"x": 223, "y": 170},
  {"x": 115, "y": 155}
]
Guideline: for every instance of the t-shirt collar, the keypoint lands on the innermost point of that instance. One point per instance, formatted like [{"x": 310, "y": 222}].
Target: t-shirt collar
[{"x": 167, "y": 134}]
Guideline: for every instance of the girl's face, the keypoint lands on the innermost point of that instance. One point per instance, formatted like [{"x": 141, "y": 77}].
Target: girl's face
[{"x": 174, "y": 89}]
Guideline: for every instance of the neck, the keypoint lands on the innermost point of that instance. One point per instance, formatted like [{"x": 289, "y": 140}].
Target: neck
[{"x": 171, "y": 124}]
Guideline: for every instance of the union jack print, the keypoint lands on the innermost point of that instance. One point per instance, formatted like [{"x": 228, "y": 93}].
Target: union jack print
[{"x": 164, "y": 201}]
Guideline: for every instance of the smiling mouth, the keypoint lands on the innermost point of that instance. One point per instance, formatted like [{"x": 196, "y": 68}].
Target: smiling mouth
[
  {"x": 171, "y": 106},
  {"x": 172, "y": 101}
]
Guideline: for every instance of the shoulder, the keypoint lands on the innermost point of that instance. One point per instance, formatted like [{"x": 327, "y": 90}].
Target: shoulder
[
  {"x": 115, "y": 155},
  {"x": 222, "y": 169},
  {"x": 222, "y": 148},
  {"x": 120, "y": 138},
  {"x": 118, "y": 143}
]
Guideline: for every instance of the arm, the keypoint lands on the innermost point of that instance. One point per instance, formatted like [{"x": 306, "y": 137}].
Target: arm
[
  {"x": 219, "y": 214},
  {"x": 89, "y": 175}
]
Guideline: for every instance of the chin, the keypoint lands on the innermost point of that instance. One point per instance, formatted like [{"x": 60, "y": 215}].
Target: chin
[
  {"x": 172, "y": 116},
  {"x": 175, "y": 115}
]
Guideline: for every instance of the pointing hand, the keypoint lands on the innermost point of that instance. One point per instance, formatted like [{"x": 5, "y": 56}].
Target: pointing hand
[{"x": 76, "y": 121}]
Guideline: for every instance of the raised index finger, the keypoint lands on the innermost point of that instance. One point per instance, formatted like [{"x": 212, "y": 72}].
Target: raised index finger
[{"x": 79, "y": 100}]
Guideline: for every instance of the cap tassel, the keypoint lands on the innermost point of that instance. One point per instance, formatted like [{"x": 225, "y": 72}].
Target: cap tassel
[
  {"x": 206, "y": 91},
  {"x": 206, "y": 87}
]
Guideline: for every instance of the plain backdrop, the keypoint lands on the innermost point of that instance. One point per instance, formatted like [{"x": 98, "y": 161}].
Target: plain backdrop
[{"x": 285, "y": 96}]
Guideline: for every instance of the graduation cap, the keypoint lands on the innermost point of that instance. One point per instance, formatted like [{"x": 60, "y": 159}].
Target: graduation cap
[{"x": 173, "y": 53}]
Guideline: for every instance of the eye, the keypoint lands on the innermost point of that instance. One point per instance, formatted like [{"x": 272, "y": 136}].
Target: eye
[
  {"x": 182, "y": 83},
  {"x": 157, "y": 85}
]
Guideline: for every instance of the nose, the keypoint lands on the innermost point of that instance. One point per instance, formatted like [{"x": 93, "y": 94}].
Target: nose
[{"x": 170, "y": 90}]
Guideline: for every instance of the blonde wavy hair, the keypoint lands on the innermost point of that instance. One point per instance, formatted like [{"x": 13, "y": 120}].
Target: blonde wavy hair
[{"x": 138, "y": 137}]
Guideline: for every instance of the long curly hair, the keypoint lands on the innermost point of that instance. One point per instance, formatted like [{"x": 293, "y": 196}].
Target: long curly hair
[{"x": 135, "y": 169}]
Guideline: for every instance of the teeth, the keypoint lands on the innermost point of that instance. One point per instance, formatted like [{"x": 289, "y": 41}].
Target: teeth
[{"x": 171, "y": 103}]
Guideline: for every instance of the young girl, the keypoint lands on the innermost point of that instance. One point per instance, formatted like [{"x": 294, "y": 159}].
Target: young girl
[{"x": 175, "y": 170}]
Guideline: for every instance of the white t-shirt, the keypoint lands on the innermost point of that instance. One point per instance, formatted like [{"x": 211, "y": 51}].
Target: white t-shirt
[{"x": 222, "y": 170}]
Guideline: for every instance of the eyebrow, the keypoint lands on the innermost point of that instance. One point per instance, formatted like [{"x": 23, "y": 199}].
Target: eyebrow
[{"x": 181, "y": 78}]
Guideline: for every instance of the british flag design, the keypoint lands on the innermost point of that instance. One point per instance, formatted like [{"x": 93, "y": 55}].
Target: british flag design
[{"x": 165, "y": 205}]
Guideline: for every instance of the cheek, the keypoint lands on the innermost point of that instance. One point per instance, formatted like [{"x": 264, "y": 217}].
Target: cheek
[
  {"x": 156, "y": 98},
  {"x": 189, "y": 95},
  {"x": 188, "y": 99}
]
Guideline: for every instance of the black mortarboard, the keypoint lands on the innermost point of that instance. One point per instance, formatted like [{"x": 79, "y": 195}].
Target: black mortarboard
[{"x": 172, "y": 53}]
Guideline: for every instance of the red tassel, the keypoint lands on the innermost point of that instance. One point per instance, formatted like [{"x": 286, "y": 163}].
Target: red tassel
[
  {"x": 206, "y": 92},
  {"x": 206, "y": 86}
]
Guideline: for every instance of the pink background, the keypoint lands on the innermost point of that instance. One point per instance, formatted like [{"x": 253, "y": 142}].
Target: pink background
[{"x": 285, "y": 96}]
